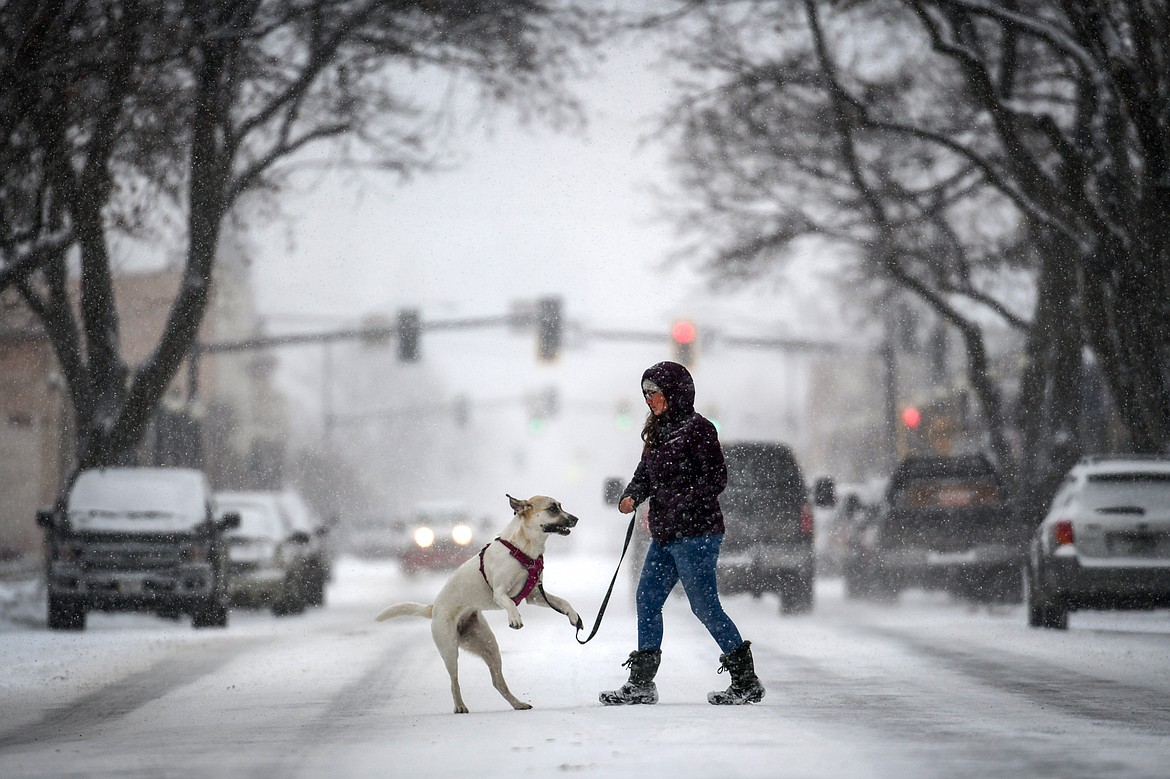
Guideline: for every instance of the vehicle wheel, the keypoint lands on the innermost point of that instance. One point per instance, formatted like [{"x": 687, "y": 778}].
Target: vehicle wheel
[
  {"x": 66, "y": 613},
  {"x": 797, "y": 596},
  {"x": 1042, "y": 611},
  {"x": 292, "y": 599},
  {"x": 315, "y": 589},
  {"x": 1057, "y": 617},
  {"x": 212, "y": 615}
]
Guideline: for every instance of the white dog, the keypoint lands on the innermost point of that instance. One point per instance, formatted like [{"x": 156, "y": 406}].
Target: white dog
[{"x": 505, "y": 572}]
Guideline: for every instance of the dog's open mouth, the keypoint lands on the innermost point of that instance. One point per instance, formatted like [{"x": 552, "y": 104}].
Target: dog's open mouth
[{"x": 561, "y": 527}]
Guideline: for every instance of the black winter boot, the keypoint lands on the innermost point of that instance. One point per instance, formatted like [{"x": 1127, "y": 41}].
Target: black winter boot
[
  {"x": 640, "y": 688},
  {"x": 745, "y": 685}
]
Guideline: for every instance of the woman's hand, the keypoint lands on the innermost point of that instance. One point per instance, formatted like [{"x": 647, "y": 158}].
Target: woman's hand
[{"x": 626, "y": 506}]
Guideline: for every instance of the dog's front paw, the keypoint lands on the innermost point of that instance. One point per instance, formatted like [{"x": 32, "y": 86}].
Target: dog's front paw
[
  {"x": 516, "y": 623},
  {"x": 575, "y": 620}
]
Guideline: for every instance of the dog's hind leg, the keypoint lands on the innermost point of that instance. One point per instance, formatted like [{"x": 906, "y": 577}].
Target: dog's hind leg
[
  {"x": 476, "y": 637},
  {"x": 446, "y": 636}
]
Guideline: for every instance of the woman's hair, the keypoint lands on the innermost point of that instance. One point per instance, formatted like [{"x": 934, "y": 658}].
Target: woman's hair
[{"x": 651, "y": 431}]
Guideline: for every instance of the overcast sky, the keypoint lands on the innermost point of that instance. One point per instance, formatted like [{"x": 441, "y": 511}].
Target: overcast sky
[{"x": 531, "y": 212}]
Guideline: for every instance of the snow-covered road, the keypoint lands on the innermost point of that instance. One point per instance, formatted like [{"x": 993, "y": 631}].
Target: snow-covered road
[{"x": 922, "y": 688}]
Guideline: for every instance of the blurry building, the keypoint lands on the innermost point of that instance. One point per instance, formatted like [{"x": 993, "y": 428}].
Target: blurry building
[
  {"x": 233, "y": 428},
  {"x": 36, "y": 438},
  {"x": 906, "y": 394}
]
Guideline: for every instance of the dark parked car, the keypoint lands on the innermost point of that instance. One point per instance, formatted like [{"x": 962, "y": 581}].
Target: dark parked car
[
  {"x": 942, "y": 525},
  {"x": 769, "y": 545},
  {"x": 1104, "y": 543},
  {"x": 137, "y": 539}
]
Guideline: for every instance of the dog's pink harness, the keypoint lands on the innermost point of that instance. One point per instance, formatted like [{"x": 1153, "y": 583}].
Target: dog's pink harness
[{"x": 534, "y": 568}]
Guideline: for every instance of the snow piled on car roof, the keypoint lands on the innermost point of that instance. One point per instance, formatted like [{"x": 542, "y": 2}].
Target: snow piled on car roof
[{"x": 138, "y": 499}]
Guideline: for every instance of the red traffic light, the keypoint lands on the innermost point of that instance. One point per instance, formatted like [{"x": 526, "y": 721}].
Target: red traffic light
[
  {"x": 683, "y": 332},
  {"x": 911, "y": 417}
]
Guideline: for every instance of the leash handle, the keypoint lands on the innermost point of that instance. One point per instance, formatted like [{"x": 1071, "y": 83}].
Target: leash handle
[{"x": 609, "y": 592}]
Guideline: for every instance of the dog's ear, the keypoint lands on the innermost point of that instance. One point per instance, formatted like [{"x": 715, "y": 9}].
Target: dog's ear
[{"x": 517, "y": 505}]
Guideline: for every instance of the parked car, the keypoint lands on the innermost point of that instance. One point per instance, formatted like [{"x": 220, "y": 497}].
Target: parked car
[
  {"x": 266, "y": 554},
  {"x": 137, "y": 539},
  {"x": 1104, "y": 542},
  {"x": 942, "y": 525},
  {"x": 769, "y": 543},
  {"x": 319, "y": 551},
  {"x": 442, "y": 536}
]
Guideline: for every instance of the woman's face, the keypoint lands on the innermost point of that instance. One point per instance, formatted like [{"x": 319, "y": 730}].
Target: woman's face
[{"x": 656, "y": 401}]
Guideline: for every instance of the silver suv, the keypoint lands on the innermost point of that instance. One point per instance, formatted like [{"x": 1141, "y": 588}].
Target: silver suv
[{"x": 1104, "y": 543}]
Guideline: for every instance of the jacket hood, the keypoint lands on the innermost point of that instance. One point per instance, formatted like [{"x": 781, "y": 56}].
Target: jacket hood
[{"x": 677, "y": 385}]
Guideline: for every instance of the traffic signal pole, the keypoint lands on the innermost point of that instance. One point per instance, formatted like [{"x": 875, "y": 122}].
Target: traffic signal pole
[
  {"x": 548, "y": 342},
  {"x": 372, "y": 334}
]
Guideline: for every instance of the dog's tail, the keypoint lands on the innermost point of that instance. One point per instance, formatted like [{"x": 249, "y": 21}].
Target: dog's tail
[{"x": 406, "y": 610}]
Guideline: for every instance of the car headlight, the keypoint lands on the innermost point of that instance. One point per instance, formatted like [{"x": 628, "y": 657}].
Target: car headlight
[
  {"x": 424, "y": 537},
  {"x": 461, "y": 534}
]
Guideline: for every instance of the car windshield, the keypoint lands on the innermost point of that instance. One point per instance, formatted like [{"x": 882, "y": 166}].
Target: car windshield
[
  {"x": 768, "y": 469},
  {"x": 124, "y": 498},
  {"x": 256, "y": 520},
  {"x": 1107, "y": 490}
]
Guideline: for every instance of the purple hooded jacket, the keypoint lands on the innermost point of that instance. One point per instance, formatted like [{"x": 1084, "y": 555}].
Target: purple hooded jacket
[{"x": 683, "y": 474}]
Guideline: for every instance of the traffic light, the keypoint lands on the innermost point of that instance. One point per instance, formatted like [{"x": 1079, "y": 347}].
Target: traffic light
[
  {"x": 684, "y": 335},
  {"x": 549, "y": 329},
  {"x": 911, "y": 417},
  {"x": 910, "y": 439},
  {"x": 409, "y": 332}
]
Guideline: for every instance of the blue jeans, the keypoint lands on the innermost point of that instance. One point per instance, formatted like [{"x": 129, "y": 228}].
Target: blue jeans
[{"x": 690, "y": 560}]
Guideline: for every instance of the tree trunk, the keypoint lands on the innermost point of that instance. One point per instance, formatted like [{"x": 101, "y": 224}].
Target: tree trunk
[
  {"x": 1048, "y": 404},
  {"x": 1127, "y": 298}
]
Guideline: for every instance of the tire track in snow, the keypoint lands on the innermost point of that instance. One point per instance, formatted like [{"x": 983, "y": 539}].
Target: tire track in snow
[
  {"x": 81, "y": 716},
  {"x": 360, "y": 698},
  {"x": 908, "y": 719},
  {"x": 1081, "y": 695}
]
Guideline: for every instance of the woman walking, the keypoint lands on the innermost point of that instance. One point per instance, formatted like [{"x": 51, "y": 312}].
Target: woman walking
[{"x": 681, "y": 473}]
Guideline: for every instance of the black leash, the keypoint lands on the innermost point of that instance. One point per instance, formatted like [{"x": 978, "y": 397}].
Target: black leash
[{"x": 605, "y": 600}]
